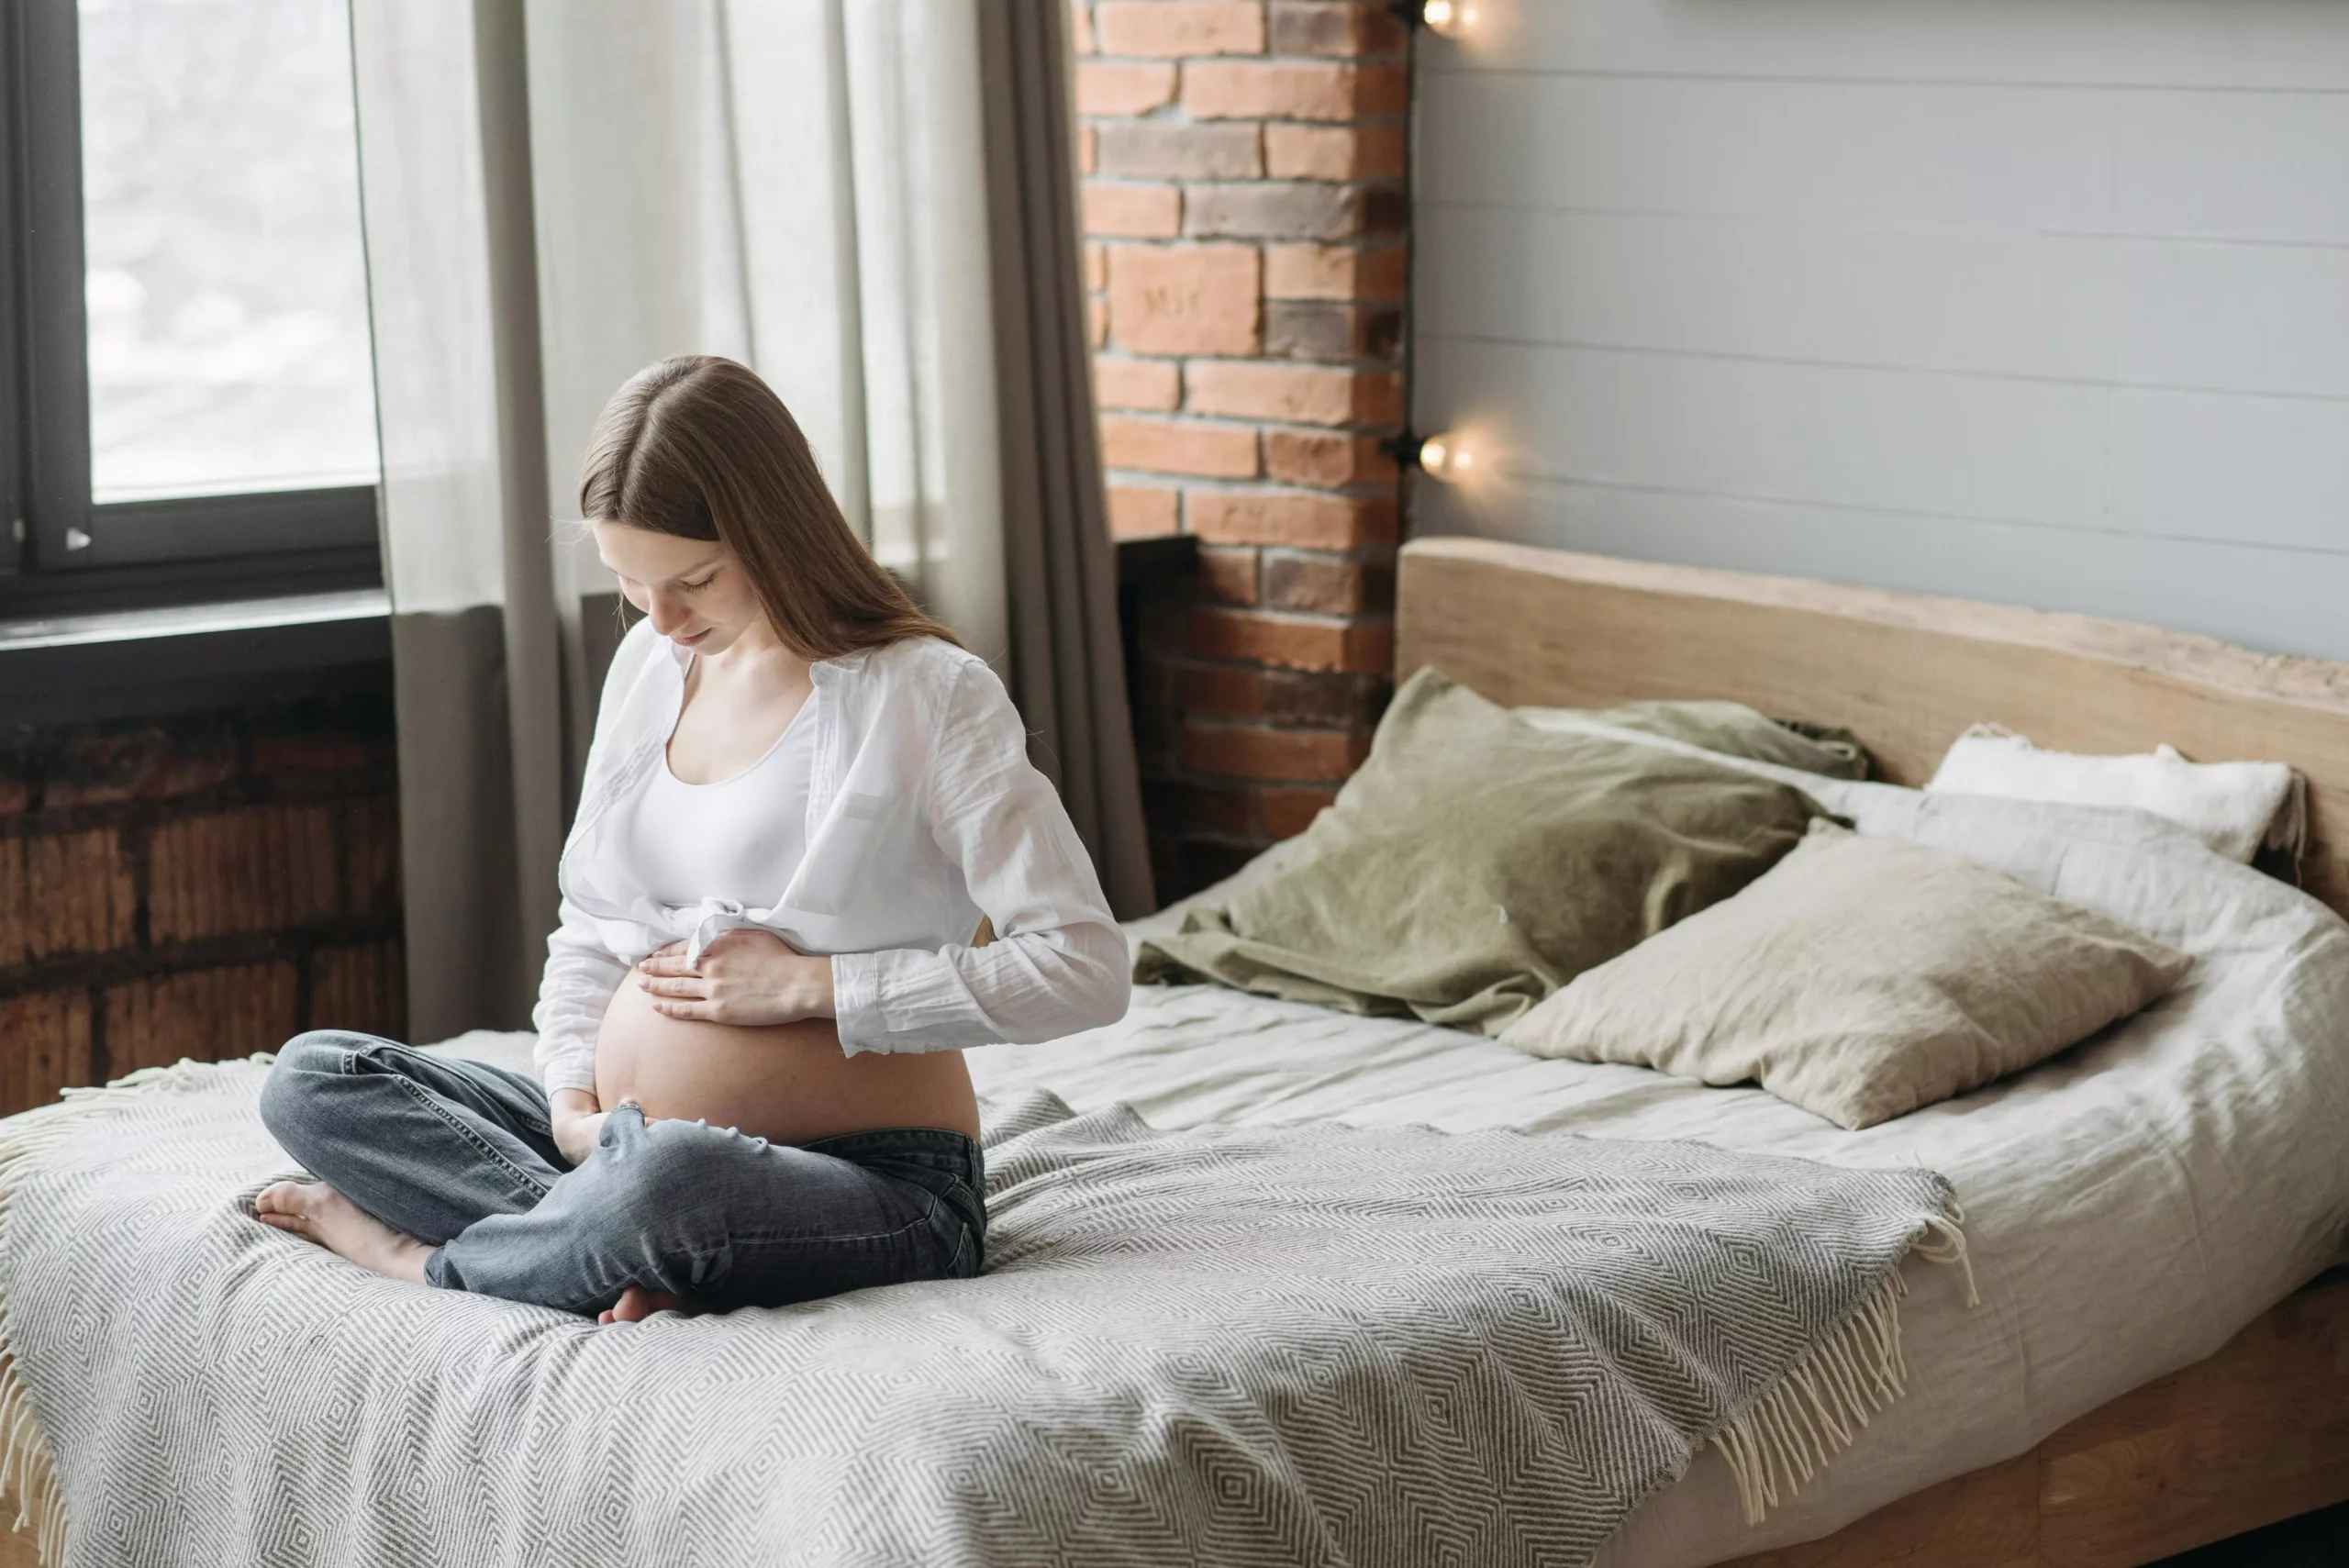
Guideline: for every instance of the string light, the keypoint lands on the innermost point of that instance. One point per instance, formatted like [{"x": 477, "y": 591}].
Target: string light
[
  {"x": 1443, "y": 457},
  {"x": 1448, "y": 18}
]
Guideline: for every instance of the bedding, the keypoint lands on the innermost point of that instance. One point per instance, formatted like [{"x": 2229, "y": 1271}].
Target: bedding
[
  {"x": 1476, "y": 863},
  {"x": 1860, "y": 978},
  {"x": 2129, "y": 1206},
  {"x": 1312, "y": 1344},
  {"x": 2237, "y": 808}
]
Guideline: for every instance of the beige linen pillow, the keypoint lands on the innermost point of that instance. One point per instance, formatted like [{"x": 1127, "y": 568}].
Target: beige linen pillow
[{"x": 1860, "y": 978}]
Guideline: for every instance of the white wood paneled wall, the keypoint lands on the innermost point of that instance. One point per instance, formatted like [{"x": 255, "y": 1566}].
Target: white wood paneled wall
[{"x": 2039, "y": 301}]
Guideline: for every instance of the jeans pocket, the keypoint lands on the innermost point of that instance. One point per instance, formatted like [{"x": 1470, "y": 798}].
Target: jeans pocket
[{"x": 951, "y": 1243}]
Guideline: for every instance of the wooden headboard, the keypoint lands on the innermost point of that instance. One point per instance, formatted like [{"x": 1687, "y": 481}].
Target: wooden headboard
[{"x": 1906, "y": 672}]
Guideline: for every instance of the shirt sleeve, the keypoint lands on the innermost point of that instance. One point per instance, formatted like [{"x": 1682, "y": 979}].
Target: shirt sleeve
[
  {"x": 1059, "y": 963},
  {"x": 576, "y": 987},
  {"x": 582, "y": 973}
]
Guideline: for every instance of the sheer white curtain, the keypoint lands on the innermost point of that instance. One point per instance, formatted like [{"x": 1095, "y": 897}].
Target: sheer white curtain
[
  {"x": 559, "y": 191},
  {"x": 799, "y": 184},
  {"x": 445, "y": 200}
]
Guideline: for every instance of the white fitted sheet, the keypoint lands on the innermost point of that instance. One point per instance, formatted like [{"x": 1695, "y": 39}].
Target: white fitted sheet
[{"x": 2131, "y": 1204}]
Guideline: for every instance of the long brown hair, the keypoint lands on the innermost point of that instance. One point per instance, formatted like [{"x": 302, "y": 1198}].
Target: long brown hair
[{"x": 700, "y": 448}]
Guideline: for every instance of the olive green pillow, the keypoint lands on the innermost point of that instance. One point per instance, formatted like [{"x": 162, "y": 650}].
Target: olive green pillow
[
  {"x": 1733, "y": 729},
  {"x": 1476, "y": 863},
  {"x": 1860, "y": 978}
]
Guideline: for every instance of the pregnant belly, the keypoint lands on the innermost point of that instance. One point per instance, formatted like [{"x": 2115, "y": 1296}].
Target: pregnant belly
[{"x": 787, "y": 1083}]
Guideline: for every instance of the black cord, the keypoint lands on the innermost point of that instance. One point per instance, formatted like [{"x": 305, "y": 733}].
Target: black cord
[{"x": 1404, "y": 445}]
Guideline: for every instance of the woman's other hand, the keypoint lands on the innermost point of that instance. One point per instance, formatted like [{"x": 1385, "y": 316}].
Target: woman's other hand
[
  {"x": 577, "y": 1121},
  {"x": 745, "y": 977}
]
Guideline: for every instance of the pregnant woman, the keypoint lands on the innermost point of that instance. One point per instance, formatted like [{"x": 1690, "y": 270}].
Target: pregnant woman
[{"x": 811, "y": 864}]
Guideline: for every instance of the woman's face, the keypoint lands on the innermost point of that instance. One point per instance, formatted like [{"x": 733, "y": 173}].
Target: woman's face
[{"x": 694, "y": 590}]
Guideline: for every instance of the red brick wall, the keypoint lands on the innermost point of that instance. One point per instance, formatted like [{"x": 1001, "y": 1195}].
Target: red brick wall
[
  {"x": 1245, "y": 216},
  {"x": 205, "y": 886}
]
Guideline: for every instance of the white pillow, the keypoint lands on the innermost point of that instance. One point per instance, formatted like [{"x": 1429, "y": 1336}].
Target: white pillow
[{"x": 2234, "y": 807}]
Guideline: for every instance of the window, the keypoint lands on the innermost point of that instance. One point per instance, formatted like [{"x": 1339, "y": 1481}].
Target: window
[{"x": 188, "y": 408}]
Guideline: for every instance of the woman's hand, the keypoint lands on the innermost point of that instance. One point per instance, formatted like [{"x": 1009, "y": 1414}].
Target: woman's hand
[
  {"x": 577, "y": 1121},
  {"x": 747, "y": 976}
]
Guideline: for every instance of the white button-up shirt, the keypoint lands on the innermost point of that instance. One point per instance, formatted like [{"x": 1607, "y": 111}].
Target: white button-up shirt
[{"x": 923, "y": 813}]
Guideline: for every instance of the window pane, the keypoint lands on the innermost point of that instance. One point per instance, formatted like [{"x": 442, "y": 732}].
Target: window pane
[{"x": 227, "y": 295}]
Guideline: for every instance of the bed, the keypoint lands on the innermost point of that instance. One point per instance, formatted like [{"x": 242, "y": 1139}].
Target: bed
[
  {"x": 2192, "y": 1383},
  {"x": 2258, "y": 1432},
  {"x": 2225, "y": 1427}
]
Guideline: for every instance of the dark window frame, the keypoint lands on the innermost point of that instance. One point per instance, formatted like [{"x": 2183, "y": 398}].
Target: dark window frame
[{"x": 58, "y": 549}]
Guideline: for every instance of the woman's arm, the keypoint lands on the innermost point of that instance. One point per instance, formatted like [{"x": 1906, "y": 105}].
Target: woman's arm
[
  {"x": 581, "y": 974},
  {"x": 573, "y": 991},
  {"x": 579, "y": 978},
  {"x": 1059, "y": 963}
]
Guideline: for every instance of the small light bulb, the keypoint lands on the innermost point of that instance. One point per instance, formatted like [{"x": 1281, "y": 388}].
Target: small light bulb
[
  {"x": 1448, "y": 18},
  {"x": 1443, "y": 457}
]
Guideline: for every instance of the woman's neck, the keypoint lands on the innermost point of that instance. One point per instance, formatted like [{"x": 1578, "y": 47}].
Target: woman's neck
[{"x": 758, "y": 654}]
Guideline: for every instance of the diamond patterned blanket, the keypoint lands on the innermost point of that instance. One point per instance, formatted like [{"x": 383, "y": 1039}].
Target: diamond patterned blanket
[{"x": 1306, "y": 1344}]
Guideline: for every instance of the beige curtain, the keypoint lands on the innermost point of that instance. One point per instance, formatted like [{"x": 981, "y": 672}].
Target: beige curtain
[
  {"x": 446, "y": 202},
  {"x": 871, "y": 204},
  {"x": 1067, "y": 667}
]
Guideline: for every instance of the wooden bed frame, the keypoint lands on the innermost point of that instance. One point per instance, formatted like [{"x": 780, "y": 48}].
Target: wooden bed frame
[{"x": 2258, "y": 1432}]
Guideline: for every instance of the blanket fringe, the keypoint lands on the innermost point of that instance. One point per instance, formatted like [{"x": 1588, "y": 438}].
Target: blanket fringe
[
  {"x": 27, "y": 1471},
  {"x": 1818, "y": 1410}
]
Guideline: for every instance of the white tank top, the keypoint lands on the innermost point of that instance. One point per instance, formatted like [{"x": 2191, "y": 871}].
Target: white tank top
[{"x": 740, "y": 838}]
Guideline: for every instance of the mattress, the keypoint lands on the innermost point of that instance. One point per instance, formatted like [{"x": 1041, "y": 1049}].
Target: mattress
[{"x": 2131, "y": 1204}]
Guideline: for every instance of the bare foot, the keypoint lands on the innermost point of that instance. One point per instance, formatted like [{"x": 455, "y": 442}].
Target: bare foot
[
  {"x": 315, "y": 1212},
  {"x": 636, "y": 1303}
]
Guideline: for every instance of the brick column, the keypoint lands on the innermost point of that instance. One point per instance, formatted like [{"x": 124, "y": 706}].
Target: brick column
[{"x": 1245, "y": 217}]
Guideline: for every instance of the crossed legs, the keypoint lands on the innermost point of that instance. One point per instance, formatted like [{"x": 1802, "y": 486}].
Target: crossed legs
[{"x": 445, "y": 1172}]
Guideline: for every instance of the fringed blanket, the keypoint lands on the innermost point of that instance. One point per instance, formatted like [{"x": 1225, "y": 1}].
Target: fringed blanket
[{"x": 1297, "y": 1345}]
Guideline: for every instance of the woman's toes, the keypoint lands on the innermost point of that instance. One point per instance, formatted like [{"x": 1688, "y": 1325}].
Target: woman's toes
[
  {"x": 636, "y": 1303},
  {"x": 284, "y": 1206},
  {"x": 279, "y": 1197}
]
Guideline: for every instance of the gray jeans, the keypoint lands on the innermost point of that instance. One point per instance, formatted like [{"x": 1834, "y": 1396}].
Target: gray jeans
[{"x": 458, "y": 1154}]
